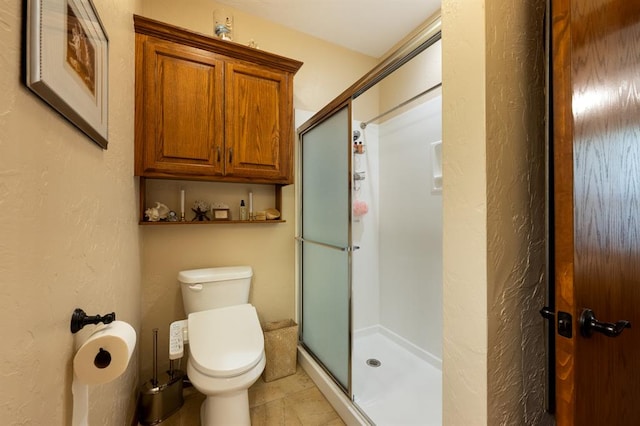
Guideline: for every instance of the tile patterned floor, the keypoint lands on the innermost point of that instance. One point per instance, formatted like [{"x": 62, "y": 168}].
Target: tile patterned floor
[{"x": 290, "y": 401}]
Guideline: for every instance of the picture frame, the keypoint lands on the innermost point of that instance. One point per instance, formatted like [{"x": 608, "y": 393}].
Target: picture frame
[
  {"x": 67, "y": 62},
  {"x": 221, "y": 214}
]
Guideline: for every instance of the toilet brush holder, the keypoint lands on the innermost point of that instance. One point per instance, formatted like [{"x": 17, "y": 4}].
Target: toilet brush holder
[
  {"x": 158, "y": 403},
  {"x": 161, "y": 396}
]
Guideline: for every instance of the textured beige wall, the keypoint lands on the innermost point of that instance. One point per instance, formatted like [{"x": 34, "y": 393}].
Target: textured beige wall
[
  {"x": 69, "y": 233},
  {"x": 268, "y": 248},
  {"x": 464, "y": 194},
  {"x": 493, "y": 151},
  {"x": 515, "y": 101}
]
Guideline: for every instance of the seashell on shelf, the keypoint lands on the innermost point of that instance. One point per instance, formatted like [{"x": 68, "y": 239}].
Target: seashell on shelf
[
  {"x": 157, "y": 213},
  {"x": 152, "y": 214},
  {"x": 163, "y": 210},
  {"x": 272, "y": 214}
]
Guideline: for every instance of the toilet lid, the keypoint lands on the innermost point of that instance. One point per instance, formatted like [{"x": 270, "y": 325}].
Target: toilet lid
[{"x": 225, "y": 342}]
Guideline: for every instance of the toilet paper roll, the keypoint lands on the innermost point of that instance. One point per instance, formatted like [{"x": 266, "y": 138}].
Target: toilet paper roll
[
  {"x": 103, "y": 357},
  {"x": 106, "y": 354}
]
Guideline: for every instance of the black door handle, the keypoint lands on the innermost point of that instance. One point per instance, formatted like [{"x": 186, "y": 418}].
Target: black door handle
[{"x": 589, "y": 324}]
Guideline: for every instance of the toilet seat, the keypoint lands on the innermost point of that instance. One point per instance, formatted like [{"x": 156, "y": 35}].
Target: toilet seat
[{"x": 225, "y": 342}]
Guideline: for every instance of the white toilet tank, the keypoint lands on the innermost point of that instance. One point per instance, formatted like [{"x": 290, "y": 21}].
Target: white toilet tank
[{"x": 211, "y": 288}]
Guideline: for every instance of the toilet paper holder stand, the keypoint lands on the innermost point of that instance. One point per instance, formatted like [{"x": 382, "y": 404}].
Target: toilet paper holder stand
[{"x": 79, "y": 319}]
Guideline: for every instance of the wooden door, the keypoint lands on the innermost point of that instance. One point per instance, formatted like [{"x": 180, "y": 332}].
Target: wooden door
[
  {"x": 184, "y": 118},
  {"x": 596, "y": 121},
  {"x": 259, "y": 120}
]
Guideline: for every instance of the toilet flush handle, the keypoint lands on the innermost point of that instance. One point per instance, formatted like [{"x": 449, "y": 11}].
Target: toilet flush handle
[{"x": 195, "y": 287}]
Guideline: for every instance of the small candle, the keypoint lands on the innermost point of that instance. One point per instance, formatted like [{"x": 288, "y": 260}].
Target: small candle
[
  {"x": 182, "y": 202},
  {"x": 251, "y": 206}
]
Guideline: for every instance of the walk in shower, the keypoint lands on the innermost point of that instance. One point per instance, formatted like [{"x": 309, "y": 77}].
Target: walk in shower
[{"x": 370, "y": 238}]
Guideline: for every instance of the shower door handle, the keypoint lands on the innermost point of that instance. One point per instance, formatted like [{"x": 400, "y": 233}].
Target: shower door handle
[{"x": 331, "y": 246}]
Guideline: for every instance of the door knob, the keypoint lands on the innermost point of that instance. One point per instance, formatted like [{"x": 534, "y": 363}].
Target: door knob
[{"x": 589, "y": 323}]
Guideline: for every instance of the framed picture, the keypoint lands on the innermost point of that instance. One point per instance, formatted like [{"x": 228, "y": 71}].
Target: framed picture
[
  {"x": 221, "y": 214},
  {"x": 68, "y": 61}
]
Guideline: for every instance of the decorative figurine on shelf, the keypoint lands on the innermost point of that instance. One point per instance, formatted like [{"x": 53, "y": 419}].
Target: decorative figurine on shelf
[
  {"x": 223, "y": 24},
  {"x": 200, "y": 208},
  {"x": 172, "y": 216},
  {"x": 157, "y": 213}
]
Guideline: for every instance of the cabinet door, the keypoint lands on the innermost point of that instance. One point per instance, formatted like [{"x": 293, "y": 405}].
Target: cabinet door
[
  {"x": 259, "y": 123},
  {"x": 184, "y": 123}
]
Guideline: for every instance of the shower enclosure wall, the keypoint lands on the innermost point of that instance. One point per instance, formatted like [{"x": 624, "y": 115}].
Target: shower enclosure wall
[{"x": 370, "y": 239}]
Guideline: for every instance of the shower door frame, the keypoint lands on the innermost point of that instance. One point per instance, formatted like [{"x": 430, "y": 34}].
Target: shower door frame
[{"x": 421, "y": 39}]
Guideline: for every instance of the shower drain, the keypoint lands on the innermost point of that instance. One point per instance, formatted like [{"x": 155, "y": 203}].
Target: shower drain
[{"x": 372, "y": 362}]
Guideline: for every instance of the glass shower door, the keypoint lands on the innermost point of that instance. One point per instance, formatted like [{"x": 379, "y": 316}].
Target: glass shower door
[{"x": 325, "y": 244}]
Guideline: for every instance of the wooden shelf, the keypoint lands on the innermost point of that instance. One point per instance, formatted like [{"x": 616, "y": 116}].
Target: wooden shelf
[
  {"x": 215, "y": 222},
  {"x": 277, "y": 194}
]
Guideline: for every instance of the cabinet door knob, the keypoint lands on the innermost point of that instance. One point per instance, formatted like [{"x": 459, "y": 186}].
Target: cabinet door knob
[
  {"x": 218, "y": 153},
  {"x": 230, "y": 155}
]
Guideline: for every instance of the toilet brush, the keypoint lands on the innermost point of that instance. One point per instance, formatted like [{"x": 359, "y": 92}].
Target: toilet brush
[
  {"x": 154, "y": 380},
  {"x": 161, "y": 396}
]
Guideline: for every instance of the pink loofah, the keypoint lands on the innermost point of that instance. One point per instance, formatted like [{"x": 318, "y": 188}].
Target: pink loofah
[{"x": 360, "y": 208}]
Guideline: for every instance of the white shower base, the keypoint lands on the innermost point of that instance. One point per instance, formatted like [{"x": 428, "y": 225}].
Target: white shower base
[{"x": 406, "y": 389}]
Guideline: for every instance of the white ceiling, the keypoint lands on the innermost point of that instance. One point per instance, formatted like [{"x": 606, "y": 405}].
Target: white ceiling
[{"x": 371, "y": 27}]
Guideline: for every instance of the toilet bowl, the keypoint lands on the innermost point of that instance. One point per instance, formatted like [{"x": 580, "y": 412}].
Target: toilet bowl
[
  {"x": 226, "y": 356},
  {"x": 226, "y": 344}
]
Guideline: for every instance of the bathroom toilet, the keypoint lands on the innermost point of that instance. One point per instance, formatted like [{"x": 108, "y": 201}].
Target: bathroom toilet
[{"x": 226, "y": 344}]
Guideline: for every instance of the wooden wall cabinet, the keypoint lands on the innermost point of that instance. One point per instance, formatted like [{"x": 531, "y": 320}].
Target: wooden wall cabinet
[{"x": 208, "y": 109}]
